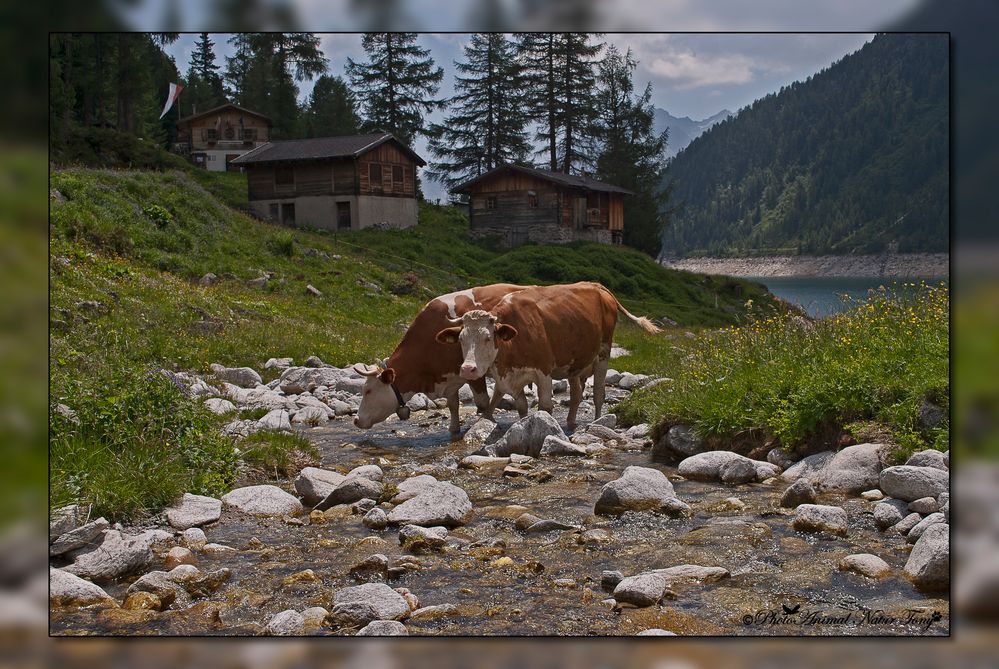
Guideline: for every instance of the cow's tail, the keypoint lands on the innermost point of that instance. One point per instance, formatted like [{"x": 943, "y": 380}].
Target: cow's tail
[{"x": 640, "y": 321}]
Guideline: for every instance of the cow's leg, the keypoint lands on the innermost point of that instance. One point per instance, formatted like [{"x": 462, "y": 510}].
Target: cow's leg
[
  {"x": 480, "y": 393},
  {"x": 494, "y": 401},
  {"x": 599, "y": 376},
  {"x": 520, "y": 401},
  {"x": 454, "y": 406},
  {"x": 544, "y": 384},
  {"x": 575, "y": 397}
]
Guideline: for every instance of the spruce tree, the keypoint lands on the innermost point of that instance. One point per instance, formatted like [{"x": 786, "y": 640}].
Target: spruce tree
[
  {"x": 630, "y": 153},
  {"x": 397, "y": 84},
  {"x": 204, "y": 83},
  {"x": 486, "y": 127},
  {"x": 331, "y": 109}
]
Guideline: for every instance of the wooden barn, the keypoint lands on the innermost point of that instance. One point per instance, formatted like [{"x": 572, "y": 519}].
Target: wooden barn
[
  {"x": 520, "y": 204},
  {"x": 343, "y": 183},
  {"x": 213, "y": 139}
]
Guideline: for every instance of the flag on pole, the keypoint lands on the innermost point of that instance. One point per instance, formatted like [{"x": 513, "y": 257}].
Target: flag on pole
[{"x": 172, "y": 96}]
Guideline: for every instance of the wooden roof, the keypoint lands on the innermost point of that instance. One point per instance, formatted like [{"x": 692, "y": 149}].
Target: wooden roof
[
  {"x": 319, "y": 148},
  {"x": 216, "y": 110},
  {"x": 558, "y": 178}
]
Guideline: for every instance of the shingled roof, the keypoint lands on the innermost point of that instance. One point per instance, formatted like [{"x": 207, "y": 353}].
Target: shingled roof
[
  {"x": 216, "y": 110},
  {"x": 320, "y": 148},
  {"x": 560, "y": 178}
]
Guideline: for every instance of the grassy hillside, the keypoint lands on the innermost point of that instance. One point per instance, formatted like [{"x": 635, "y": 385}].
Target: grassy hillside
[{"x": 127, "y": 249}]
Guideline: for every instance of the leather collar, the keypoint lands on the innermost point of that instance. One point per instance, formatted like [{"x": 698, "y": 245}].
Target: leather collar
[{"x": 402, "y": 411}]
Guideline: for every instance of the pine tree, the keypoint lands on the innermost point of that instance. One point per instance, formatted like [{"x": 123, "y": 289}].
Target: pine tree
[
  {"x": 486, "y": 127},
  {"x": 630, "y": 152},
  {"x": 397, "y": 85},
  {"x": 559, "y": 69},
  {"x": 204, "y": 83},
  {"x": 331, "y": 109}
]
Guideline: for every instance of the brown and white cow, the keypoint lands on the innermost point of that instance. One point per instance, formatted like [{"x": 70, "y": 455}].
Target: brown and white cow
[
  {"x": 420, "y": 364},
  {"x": 540, "y": 334}
]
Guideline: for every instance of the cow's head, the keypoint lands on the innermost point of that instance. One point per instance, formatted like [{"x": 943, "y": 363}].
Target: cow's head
[
  {"x": 477, "y": 332},
  {"x": 379, "y": 399}
]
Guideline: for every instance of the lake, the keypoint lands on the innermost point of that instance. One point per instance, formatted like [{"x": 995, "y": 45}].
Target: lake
[{"x": 821, "y": 296}]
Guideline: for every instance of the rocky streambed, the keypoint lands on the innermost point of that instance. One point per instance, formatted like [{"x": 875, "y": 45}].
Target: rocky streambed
[{"x": 519, "y": 529}]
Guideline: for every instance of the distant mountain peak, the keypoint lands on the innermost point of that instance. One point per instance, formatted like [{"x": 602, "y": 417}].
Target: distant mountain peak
[{"x": 683, "y": 130}]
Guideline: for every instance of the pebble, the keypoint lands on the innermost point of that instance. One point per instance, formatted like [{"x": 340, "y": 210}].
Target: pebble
[
  {"x": 865, "y": 564},
  {"x": 194, "y": 538},
  {"x": 178, "y": 556},
  {"x": 304, "y": 576},
  {"x": 375, "y": 519},
  {"x": 286, "y": 623}
]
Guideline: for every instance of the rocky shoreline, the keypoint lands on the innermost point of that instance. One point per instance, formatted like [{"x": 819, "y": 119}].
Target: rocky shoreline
[{"x": 887, "y": 265}]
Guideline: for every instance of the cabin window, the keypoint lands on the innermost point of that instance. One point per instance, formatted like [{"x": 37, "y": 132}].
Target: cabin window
[
  {"x": 275, "y": 213},
  {"x": 397, "y": 184},
  {"x": 375, "y": 176},
  {"x": 343, "y": 215},
  {"x": 284, "y": 176},
  {"x": 288, "y": 213},
  {"x": 491, "y": 202},
  {"x": 532, "y": 200}
]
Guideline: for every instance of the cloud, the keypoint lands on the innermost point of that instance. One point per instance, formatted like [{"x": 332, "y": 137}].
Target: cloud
[{"x": 688, "y": 70}]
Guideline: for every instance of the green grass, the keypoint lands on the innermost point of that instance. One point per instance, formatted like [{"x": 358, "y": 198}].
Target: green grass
[
  {"x": 797, "y": 381},
  {"x": 278, "y": 454},
  {"x": 127, "y": 249}
]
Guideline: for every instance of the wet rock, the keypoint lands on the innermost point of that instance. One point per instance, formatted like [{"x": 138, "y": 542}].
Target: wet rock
[
  {"x": 315, "y": 616},
  {"x": 924, "y": 505},
  {"x": 679, "y": 439},
  {"x": 853, "y": 469},
  {"x": 286, "y": 623},
  {"x": 765, "y": 470},
  {"x": 304, "y": 576},
  {"x": 143, "y": 601},
  {"x": 178, "y": 556},
  {"x": 415, "y": 536},
  {"x": 910, "y": 483},
  {"x": 375, "y": 519},
  {"x": 361, "y": 604},
  {"x": 597, "y": 535},
  {"x": 67, "y": 589},
  {"x": 820, "y": 518},
  {"x": 244, "y": 377},
  {"x": 217, "y": 549},
  {"x": 85, "y": 535},
  {"x": 525, "y": 520},
  {"x": 807, "y": 467},
  {"x": 433, "y": 612},
  {"x": 314, "y": 484},
  {"x": 799, "y": 492},
  {"x": 928, "y": 566},
  {"x": 865, "y": 564},
  {"x": 440, "y": 504},
  {"x": 609, "y": 579},
  {"x": 888, "y": 513},
  {"x": 362, "y": 506},
  {"x": 481, "y": 431},
  {"x": 641, "y": 591},
  {"x": 276, "y": 419},
  {"x": 639, "y": 489},
  {"x": 482, "y": 462},
  {"x": 872, "y": 495},
  {"x": 263, "y": 500},
  {"x": 193, "y": 538},
  {"x": 729, "y": 504},
  {"x": 413, "y": 486},
  {"x": 711, "y": 465},
  {"x": 351, "y": 490},
  {"x": 655, "y": 631},
  {"x": 548, "y": 525},
  {"x": 373, "y": 567},
  {"x": 928, "y": 458},
  {"x": 193, "y": 511},
  {"x": 687, "y": 574},
  {"x": 219, "y": 406},
  {"x": 553, "y": 446},
  {"x": 167, "y": 586},
  {"x": 527, "y": 435},
  {"x": 116, "y": 555},
  {"x": 383, "y": 628},
  {"x": 919, "y": 528},
  {"x": 780, "y": 457},
  {"x": 905, "y": 525}
]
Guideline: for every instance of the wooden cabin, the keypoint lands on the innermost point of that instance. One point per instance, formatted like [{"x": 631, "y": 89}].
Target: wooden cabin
[
  {"x": 213, "y": 139},
  {"x": 518, "y": 204},
  {"x": 342, "y": 183}
]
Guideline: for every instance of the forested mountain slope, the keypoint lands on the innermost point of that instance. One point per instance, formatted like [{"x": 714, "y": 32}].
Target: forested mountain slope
[{"x": 852, "y": 160}]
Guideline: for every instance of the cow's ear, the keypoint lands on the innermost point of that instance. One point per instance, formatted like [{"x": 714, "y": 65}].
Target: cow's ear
[
  {"x": 448, "y": 335},
  {"x": 506, "y": 332},
  {"x": 388, "y": 376}
]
